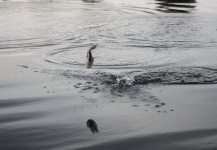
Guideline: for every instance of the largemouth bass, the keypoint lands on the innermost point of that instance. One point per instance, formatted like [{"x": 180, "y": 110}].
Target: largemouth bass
[{"x": 89, "y": 58}]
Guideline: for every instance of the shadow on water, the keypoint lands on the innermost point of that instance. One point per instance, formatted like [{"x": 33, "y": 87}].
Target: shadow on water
[{"x": 175, "y": 6}]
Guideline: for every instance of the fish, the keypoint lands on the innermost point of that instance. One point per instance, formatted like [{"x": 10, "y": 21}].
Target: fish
[
  {"x": 89, "y": 57},
  {"x": 92, "y": 125}
]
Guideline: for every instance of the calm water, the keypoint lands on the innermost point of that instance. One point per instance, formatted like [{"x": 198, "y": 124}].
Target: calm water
[
  {"x": 177, "y": 40},
  {"x": 143, "y": 42}
]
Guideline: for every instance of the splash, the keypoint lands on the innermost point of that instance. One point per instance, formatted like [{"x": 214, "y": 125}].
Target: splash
[
  {"x": 182, "y": 75},
  {"x": 125, "y": 80}
]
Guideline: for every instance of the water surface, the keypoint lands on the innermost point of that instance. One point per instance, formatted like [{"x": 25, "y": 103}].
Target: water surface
[{"x": 47, "y": 94}]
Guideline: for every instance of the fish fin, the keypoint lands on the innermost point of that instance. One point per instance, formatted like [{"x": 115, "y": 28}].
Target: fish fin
[{"x": 93, "y": 47}]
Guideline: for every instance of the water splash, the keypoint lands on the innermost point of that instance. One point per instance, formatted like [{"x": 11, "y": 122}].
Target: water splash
[
  {"x": 182, "y": 75},
  {"x": 125, "y": 80}
]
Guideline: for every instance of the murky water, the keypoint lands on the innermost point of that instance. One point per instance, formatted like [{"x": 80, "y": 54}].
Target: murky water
[{"x": 143, "y": 42}]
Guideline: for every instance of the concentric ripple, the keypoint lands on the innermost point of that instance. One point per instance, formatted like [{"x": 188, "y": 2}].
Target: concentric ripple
[{"x": 105, "y": 58}]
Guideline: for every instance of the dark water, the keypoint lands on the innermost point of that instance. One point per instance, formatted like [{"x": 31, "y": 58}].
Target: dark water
[{"x": 140, "y": 43}]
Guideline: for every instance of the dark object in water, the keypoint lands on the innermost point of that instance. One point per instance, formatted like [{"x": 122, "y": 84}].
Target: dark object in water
[
  {"x": 180, "y": 1},
  {"x": 89, "y": 58},
  {"x": 92, "y": 125},
  {"x": 92, "y": 1}
]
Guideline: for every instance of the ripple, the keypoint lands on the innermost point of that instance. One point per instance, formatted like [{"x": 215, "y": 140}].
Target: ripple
[{"x": 104, "y": 58}]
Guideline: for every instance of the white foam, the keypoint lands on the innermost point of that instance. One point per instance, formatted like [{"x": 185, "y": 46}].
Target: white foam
[{"x": 125, "y": 80}]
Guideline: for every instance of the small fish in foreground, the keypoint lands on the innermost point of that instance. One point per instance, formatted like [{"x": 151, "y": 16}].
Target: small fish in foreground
[
  {"x": 89, "y": 58},
  {"x": 92, "y": 125}
]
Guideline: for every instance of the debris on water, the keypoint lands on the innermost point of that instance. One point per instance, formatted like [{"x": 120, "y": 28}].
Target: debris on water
[{"x": 91, "y": 124}]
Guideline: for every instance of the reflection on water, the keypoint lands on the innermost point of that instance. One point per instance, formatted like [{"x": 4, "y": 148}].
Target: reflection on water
[
  {"x": 139, "y": 46},
  {"x": 176, "y": 6},
  {"x": 92, "y": 1},
  {"x": 92, "y": 125},
  {"x": 178, "y": 1}
]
